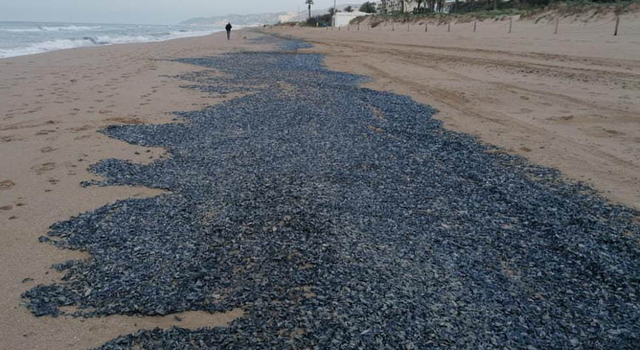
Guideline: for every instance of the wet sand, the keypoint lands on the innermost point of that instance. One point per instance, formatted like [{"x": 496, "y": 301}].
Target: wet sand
[{"x": 52, "y": 106}]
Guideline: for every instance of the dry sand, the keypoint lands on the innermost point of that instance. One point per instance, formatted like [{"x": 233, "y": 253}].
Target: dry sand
[
  {"x": 51, "y": 107},
  {"x": 569, "y": 101}
]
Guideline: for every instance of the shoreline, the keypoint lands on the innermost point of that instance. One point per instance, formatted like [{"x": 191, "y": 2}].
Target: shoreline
[{"x": 98, "y": 44}]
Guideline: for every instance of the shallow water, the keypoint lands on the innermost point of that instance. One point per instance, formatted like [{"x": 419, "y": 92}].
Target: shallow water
[{"x": 27, "y": 38}]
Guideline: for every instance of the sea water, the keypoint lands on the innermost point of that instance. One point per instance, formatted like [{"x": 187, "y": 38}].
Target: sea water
[{"x": 27, "y": 38}]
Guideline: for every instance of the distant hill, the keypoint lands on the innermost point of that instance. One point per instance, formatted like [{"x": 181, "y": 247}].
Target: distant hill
[
  {"x": 241, "y": 20},
  {"x": 259, "y": 19}
]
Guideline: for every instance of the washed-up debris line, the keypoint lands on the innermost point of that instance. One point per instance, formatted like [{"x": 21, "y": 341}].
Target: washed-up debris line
[{"x": 340, "y": 217}]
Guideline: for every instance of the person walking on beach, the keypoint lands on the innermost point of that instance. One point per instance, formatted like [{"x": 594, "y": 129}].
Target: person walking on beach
[{"x": 228, "y": 28}]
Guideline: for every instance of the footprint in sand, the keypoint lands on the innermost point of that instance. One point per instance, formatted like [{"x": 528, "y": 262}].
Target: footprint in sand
[
  {"x": 43, "y": 168},
  {"x": 6, "y": 184},
  {"x": 80, "y": 128},
  {"x": 45, "y": 132},
  {"x": 47, "y": 149},
  {"x": 6, "y": 207},
  {"x": 10, "y": 138},
  {"x": 599, "y": 131},
  {"x": 612, "y": 132}
]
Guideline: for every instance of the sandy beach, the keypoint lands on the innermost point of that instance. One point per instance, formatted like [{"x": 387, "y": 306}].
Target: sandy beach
[
  {"x": 569, "y": 101},
  {"x": 52, "y": 106}
]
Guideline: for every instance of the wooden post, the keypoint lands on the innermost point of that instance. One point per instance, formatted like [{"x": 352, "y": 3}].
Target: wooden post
[
  {"x": 474, "y": 26},
  {"x": 358, "y": 26},
  {"x": 615, "y": 33},
  {"x": 449, "y": 26},
  {"x": 557, "y": 20},
  {"x": 426, "y": 27},
  {"x": 393, "y": 27},
  {"x": 510, "y": 23}
]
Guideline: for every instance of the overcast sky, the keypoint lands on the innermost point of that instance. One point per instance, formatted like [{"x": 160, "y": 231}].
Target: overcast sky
[{"x": 140, "y": 11}]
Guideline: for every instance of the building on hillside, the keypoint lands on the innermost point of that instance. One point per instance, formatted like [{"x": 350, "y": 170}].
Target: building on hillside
[
  {"x": 341, "y": 19},
  {"x": 411, "y": 5},
  {"x": 396, "y": 5},
  {"x": 448, "y": 5}
]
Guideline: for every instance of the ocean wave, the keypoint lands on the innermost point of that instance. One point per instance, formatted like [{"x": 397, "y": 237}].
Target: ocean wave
[
  {"x": 21, "y": 30},
  {"x": 152, "y": 37},
  {"x": 69, "y": 27},
  {"x": 45, "y": 46},
  {"x": 88, "y": 41},
  {"x": 49, "y": 29}
]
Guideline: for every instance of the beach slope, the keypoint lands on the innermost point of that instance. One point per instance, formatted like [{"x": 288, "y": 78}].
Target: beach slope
[{"x": 569, "y": 100}]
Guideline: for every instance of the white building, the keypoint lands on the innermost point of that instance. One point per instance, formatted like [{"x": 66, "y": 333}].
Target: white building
[{"x": 341, "y": 19}]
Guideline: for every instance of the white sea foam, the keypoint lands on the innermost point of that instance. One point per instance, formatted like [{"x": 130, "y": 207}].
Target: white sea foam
[
  {"x": 21, "y": 30},
  {"x": 69, "y": 27},
  {"x": 49, "y": 29},
  {"x": 125, "y": 39},
  {"x": 59, "y": 44},
  {"x": 45, "y": 46}
]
